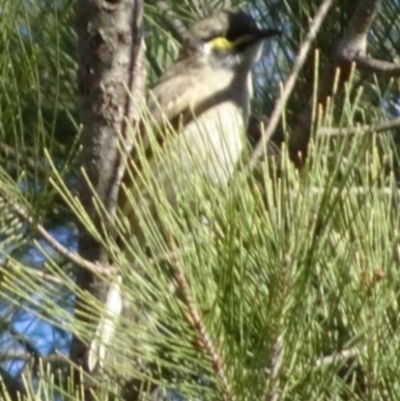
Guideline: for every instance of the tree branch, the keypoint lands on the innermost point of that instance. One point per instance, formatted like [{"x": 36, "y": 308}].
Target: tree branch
[
  {"x": 354, "y": 40},
  {"x": 350, "y": 51},
  {"x": 353, "y": 45},
  {"x": 289, "y": 84}
]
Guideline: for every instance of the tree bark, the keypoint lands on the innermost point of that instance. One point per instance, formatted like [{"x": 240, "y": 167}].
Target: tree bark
[{"x": 111, "y": 84}]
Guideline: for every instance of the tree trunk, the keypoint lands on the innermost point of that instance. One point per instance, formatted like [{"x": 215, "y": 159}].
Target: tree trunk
[{"x": 111, "y": 84}]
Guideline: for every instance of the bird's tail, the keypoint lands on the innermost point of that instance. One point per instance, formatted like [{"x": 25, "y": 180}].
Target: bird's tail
[{"x": 106, "y": 327}]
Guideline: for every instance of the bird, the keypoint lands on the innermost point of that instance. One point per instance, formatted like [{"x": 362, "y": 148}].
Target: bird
[{"x": 196, "y": 115}]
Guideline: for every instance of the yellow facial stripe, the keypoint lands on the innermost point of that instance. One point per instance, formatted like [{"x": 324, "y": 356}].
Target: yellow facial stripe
[{"x": 221, "y": 43}]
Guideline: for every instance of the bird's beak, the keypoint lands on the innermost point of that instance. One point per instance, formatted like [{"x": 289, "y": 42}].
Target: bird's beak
[
  {"x": 255, "y": 37},
  {"x": 264, "y": 34}
]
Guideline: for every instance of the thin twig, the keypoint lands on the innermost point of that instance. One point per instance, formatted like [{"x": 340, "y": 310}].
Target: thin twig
[
  {"x": 56, "y": 245},
  {"x": 198, "y": 325},
  {"x": 375, "y": 66},
  {"x": 289, "y": 84},
  {"x": 361, "y": 129},
  {"x": 338, "y": 357}
]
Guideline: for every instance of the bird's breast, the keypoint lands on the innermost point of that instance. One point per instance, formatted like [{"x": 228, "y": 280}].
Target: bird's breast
[
  {"x": 208, "y": 143},
  {"x": 206, "y": 149},
  {"x": 212, "y": 144}
]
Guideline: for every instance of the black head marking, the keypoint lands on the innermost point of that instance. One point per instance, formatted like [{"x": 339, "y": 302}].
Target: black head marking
[{"x": 228, "y": 24}]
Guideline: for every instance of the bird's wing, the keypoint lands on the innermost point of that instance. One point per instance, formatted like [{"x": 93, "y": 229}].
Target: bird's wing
[
  {"x": 168, "y": 102},
  {"x": 173, "y": 96},
  {"x": 172, "y": 103}
]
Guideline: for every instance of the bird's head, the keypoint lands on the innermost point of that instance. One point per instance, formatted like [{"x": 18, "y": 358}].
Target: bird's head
[{"x": 230, "y": 39}]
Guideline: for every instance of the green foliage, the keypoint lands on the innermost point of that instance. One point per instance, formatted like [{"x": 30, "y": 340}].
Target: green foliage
[{"x": 282, "y": 285}]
